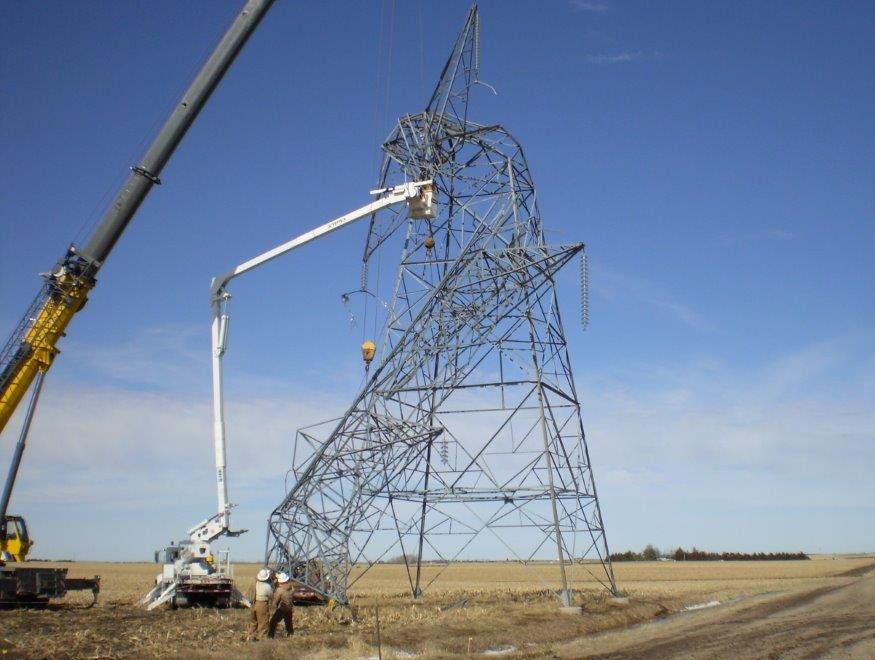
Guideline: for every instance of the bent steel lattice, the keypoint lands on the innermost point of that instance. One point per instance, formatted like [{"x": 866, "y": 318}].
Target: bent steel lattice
[{"x": 467, "y": 436}]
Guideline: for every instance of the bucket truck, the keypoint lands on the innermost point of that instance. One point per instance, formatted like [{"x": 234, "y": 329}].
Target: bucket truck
[
  {"x": 191, "y": 573},
  {"x": 31, "y": 348}
]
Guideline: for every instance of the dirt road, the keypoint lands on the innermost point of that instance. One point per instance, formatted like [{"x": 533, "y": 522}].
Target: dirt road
[{"x": 824, "y": 623}]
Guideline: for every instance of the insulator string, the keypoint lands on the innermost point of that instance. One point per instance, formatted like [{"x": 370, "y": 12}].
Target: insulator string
[{"x": 584, "y": 291}]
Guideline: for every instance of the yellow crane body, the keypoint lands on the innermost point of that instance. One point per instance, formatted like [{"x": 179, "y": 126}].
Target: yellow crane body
[
  {"x": 15, "y": 543},
  {"x": 67, "y": 294}
]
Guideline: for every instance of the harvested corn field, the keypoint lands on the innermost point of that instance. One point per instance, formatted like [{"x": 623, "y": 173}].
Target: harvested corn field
[{"x": 472, "y": 608}]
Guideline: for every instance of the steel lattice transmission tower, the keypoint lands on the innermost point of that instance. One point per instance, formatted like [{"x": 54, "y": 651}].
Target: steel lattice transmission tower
[{"x": 467, "y": 434}]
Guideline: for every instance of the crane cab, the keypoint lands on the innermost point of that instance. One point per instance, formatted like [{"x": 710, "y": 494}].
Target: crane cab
[{"x": 14, "y": 540}]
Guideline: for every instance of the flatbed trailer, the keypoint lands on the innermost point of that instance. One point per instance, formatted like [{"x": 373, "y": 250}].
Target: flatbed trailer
[{"x": 34, "y": 587}]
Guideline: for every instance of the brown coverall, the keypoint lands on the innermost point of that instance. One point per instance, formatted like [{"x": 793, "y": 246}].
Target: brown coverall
[
  {"x": 260, "y": 611},
  {"x": 283, "y": 609}
]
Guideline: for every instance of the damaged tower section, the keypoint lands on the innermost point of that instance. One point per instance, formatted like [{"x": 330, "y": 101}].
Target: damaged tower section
[{"x": 466, "y": 441}]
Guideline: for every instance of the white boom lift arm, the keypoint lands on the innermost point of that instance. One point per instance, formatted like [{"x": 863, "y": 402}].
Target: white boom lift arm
[{"x": 421, "y": 203}]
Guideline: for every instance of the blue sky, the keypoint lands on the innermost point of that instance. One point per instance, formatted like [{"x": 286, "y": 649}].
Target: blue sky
[{"x": 717, "y": 159}]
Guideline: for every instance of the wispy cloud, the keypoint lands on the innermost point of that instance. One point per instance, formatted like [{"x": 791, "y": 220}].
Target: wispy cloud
[
  {"x": 615, "y": 58},
  {"x": 798, "y": 429},
  {"x": 619, "y": 287},
  {"x": 588, "y": 5},
  {"x": 778, "y": 453},
  {"x": 758, "y": 236},
  {"x": 104, "y": 456},
  {"x": 795, "y": 414},
  {"x": 780, "y": 234},
  {"x": 158, "y": 356}
]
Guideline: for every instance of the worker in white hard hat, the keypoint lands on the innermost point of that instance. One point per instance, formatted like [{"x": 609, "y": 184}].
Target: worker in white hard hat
[
  {"x": 261, "y": 604},
  {"x": 283, "y": 606}
]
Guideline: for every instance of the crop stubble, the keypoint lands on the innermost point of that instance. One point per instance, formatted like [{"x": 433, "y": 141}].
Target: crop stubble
[{"x": 505, "y": 604}]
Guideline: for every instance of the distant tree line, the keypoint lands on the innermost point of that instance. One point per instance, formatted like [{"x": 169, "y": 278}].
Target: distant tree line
[
  {"x": 650, "y": 553},
  {"x": 700, "y": 555}
]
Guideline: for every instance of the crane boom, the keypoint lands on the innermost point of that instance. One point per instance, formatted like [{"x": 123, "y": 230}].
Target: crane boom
[{"x": 32, "y": 346}]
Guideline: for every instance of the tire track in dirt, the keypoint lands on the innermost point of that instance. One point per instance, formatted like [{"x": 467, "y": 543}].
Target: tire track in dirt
[
  {"x": 827, "y": 622},
  {"x": 858, "y": 572}
]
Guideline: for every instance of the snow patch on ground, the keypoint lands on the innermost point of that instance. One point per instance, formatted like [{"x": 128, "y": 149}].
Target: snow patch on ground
[
  {"x": 702, "y": 606},
  {"x": 398, "y": 653}
]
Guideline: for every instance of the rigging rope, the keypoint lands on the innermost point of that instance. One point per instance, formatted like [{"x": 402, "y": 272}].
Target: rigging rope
[
  {"x": 421, "y": 54},
  {"x": 389, "y": 69},
  {"x": 377, "y": 90}
]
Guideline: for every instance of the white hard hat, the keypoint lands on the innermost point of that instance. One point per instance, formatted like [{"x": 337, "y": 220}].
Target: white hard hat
[
  {"x": 282, "y": 578},
  {"x": 263, "y": 575}
]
